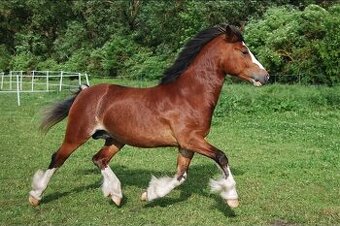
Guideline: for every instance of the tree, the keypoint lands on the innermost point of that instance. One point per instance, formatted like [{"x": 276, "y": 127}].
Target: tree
[
  {"x": 298, "y": 46},
  {"x": 134, "y": 37}
]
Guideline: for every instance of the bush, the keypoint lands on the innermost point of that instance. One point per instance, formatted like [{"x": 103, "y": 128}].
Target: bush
[
  {"x": 4, "y": 59},
  {"x": 77, "y": 62},
  {"x": 116, "y": 52},
  {"x": 301, "y": 44},
  {"x": 110, "y": 60},
  {"x": 145, "y": 65},
  {"x": 72, "y": 40},
  {"x": 49, "y": 64},
  {"x": 23, "y": 61}
]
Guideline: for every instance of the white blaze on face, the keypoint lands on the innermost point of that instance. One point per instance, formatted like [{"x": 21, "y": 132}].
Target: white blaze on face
[{"x": 255, "y": 61}]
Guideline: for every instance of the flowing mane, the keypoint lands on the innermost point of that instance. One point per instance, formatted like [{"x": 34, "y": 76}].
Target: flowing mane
[{"x": 192, "y": 48}]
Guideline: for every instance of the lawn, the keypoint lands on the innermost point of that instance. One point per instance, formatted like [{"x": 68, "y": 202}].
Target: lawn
[{"x": 283, "y": 143}]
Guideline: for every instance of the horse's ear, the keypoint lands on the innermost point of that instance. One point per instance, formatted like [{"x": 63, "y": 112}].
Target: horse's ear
[
  {"x": 228, "y": 31},
  {"x": 230, "y": 35}
]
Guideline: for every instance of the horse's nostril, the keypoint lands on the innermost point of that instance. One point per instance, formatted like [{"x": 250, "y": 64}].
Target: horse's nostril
[{"x": 267, "y": 77}]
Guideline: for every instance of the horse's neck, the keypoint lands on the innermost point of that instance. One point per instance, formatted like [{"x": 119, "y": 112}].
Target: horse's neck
[{"x": 203, "y": 80}]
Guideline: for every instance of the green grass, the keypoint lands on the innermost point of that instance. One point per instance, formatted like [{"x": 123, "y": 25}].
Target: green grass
[{"x": 283, "y": 143}]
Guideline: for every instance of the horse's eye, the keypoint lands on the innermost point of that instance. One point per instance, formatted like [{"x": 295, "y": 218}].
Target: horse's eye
[{"x": 245, "y": 52}]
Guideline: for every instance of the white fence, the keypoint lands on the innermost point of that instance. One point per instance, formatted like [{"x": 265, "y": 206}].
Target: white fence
[{"x": 39, "y": 81}]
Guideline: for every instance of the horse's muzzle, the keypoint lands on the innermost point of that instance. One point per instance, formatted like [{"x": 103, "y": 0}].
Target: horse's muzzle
[
  {"x": 259, "y": 80},
  {"x": 266, "y": 78}
]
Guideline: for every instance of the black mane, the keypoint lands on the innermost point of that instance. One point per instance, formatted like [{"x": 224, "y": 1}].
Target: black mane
[{"x": 192, "y": 48}]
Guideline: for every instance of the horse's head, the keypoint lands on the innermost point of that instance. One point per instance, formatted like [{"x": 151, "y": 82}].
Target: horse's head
[{"x": 238, "y": 61}]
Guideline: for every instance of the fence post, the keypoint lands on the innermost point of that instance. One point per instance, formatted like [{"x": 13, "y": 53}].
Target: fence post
[
  {"x": 87, "y": 79},
  {"x": 18, "y": 89},
  {"x": 47, "y": 74},
  {"x": 61, "y": 80},
  {"x": 10, "y": 80},
  {"x": 33, "y": 72},
  {"x": 79, "y": 79},
  {"x": 21, "y": 80},
  {"x": 2, "y": 80}
]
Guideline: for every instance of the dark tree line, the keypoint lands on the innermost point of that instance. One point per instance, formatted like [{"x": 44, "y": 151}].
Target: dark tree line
[{"x": 140, "y": 38}]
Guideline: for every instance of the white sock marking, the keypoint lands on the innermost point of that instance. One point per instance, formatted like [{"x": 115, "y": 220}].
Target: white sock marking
[
  {"x": 160, "y": 187},
  {"x": 40, "y": 182},
  {"x": 225, "y": 187},
  {"x": 111, "y": 184}
]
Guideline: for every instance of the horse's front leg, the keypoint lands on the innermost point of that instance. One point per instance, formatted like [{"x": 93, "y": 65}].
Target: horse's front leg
[
  {"x": 111, "y": 186},
  {"x": 225, "y": 186},
  {"x": 160, "y": 187}
]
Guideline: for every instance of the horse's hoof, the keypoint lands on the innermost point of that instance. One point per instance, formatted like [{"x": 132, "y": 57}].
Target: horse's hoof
[
  {"x": 116, "y": 200},
  {"x": 33, "y": 201},
  {"x": 144, "y": 197},
  {"x": 232, "y": 203}
]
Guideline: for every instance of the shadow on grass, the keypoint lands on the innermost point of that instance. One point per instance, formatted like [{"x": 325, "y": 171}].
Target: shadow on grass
[
  {"x": 57, "y": 195},
  {"x": 198, "y": 177},
  {"x": 197, "y": 181},
  {"x": 223, "y": 207}
]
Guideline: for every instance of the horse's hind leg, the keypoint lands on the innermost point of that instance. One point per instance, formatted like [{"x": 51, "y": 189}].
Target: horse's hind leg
[
  {"x": 73, "y": 139},
  {"x": 41, "y": 178},
  {"x": 159, "y": 187},
  {"x": 111, "y": 185}
]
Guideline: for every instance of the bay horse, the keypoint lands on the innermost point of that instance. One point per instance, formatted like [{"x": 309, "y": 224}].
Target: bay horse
[{"x": 177, "y": 112}]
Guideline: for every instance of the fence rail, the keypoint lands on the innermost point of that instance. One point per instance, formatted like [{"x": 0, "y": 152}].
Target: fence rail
[{"x": 32, "y": 81}]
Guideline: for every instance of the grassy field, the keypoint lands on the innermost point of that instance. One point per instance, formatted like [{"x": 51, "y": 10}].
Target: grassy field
[{"x": 283, "y": 143}]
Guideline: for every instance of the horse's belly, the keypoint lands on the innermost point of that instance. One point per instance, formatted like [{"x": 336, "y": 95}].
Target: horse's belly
[
  {"x": 147, "y": 134},
  {"x": 144, "y": 138}
]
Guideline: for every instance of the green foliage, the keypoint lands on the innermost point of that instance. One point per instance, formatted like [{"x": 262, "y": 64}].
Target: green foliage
[
  {"x": 48, "y": 65},
  {"x": 78, "y": 61},
  {"x": 113, "y": 55},
  {"x": 124, "y": 38},
  {"x": 5, "y": 58},
  {"x": 166, "y": 26},
  {"x": 30, "y": 42},
  {"x": 100, "y": 19},
  {"x": 145, "y": 66},
  {"x": 301, "y": 44},
  {"x": 24, "y": 60},
  {"x": 121, "y": 56},
  {"x": 69, "y": 42}
]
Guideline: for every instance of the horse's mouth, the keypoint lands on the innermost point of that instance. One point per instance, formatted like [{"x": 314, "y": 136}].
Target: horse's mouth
[
  {"x": 259, "y": 80},
  {"x": 256, "y": 82}
]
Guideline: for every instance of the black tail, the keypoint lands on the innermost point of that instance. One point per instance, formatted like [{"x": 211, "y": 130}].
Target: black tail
[{"x": 57, "y": 112}]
